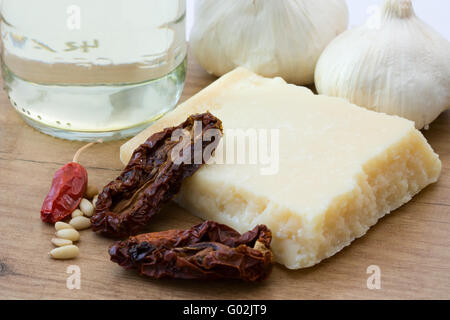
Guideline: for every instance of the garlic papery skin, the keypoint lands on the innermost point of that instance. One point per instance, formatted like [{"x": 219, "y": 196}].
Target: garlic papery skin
[
  {"x": 270, "y": 37},
  {"x": 395, "y": 64}
]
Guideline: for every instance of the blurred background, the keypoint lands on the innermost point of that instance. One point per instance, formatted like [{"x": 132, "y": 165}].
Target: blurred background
[{"x": 434, "y": 12}]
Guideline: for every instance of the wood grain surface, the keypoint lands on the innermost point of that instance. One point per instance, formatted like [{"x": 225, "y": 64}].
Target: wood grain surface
[{"x": 411, "y": 245}]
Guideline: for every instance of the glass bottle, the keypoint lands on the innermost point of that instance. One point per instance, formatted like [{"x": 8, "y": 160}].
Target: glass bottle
[{"x": 90, "y": 69}]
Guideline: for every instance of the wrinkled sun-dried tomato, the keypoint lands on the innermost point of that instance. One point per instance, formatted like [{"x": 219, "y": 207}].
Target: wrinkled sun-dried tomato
[
  {"x": 206, "y": 251},
  {"x": 152, "y": 176}
]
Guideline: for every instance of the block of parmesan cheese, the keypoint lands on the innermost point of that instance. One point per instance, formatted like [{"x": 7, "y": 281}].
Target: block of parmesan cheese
[{"x": 341, "y": 167}]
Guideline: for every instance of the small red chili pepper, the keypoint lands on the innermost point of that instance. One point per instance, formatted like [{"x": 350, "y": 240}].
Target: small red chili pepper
[{"x": 68, "y": 188}]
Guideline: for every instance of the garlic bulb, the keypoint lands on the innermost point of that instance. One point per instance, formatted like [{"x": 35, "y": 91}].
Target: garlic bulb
[
  {"x": 395, "y": 64},
  {"x": 271, "y": 37}
]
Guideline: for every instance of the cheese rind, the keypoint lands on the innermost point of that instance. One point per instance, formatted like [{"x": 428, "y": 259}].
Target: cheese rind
[{"x": 341, "y": 167}]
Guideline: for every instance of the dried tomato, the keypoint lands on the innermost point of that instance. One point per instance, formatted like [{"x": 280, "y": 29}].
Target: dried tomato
[
  {"x": 153, "y": 176},
  {"x": 206, "y": 251},
  {"x": 68, "y": 188}
]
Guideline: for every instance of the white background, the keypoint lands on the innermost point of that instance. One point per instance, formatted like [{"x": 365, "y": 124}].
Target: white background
[{"x": 435, "y": 12}]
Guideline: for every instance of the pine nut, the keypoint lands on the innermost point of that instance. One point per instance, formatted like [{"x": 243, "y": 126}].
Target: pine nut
[
  {"x": 62, "y": 225},
  {"x": 69, "y": 234},
  {"x": 61, "y": 242},
  {"x": 87, "y": 207},
  {"x": 65, "y": 252},
  {"x": 80, "y": 223},
  {"x": 94, "y": 200},
  {"x": 77, "y": 213},
  {"x": 91, "y": 191}
]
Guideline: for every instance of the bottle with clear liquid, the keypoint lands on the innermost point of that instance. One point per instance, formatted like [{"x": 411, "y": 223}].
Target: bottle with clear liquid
[{"x": 90, "y": 69}]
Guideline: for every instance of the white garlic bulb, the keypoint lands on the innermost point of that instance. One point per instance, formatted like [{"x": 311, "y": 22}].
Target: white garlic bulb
[
  {"x": 271, "y": 37},
  {"x": 395, "y": 64}
]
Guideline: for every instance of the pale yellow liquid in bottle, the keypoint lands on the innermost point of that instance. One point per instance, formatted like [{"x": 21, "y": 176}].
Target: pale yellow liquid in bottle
[{"x": 86, "y": 69}]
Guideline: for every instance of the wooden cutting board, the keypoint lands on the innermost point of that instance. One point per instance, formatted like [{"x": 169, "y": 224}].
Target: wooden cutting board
[{"x": 410, "y": 246}]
